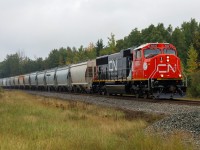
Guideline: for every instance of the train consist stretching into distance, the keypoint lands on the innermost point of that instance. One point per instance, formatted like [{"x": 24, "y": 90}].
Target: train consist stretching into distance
[{"x": 152, "y": 70}]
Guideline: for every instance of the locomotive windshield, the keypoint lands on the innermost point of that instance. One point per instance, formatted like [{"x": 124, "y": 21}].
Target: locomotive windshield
[
  {"x": 148, "y": 53},
  {"x": 169, "y": 51}
]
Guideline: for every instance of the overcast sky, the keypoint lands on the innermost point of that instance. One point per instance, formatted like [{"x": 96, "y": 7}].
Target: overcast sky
[{"x": 38, "y": 26}]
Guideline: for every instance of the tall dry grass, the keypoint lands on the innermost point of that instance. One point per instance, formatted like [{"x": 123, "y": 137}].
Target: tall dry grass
[{"x": 34, "y": 122}]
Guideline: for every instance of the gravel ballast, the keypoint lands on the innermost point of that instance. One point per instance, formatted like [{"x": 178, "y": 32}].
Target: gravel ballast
[
  {"x": 134, "y": 105},
  {"x": 184, "y": 122}
]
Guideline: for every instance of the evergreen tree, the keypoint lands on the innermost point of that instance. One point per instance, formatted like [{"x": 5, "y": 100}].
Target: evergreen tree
[
  {"x": 70, "y": 56},
  {"x": 62, "y": 56},
  {"x": 120, "y": 45},
  {"x": 178, "y": 39},
  {"x": 192, "y": 64},
  {"x": 189, "y": 29},
  {"x": 197, "y": 42},
  {"x": 133, "y": 39},
  {"x": 53, "y": 59},
  {"x": 99, "y": 47}
]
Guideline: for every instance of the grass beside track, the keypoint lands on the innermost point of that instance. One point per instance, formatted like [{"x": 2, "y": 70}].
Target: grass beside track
[{"x": 34, "y": 122}]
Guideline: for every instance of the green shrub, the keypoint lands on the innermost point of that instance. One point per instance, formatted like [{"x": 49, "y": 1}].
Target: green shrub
[{"x": 194, "y": 85}]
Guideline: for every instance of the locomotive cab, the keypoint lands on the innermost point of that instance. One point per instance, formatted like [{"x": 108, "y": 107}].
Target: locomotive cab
[{"x": 157, "y": 69}]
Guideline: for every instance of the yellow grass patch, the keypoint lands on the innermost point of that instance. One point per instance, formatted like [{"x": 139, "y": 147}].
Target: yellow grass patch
[{"x": 35, "y": 122}]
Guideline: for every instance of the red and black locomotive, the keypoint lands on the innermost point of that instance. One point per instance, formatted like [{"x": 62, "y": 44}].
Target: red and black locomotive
[{"x": 150, "y": 70}]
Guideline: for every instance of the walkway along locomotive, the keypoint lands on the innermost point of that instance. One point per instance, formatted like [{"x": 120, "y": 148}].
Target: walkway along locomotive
[{"x": 152, "y": 70}]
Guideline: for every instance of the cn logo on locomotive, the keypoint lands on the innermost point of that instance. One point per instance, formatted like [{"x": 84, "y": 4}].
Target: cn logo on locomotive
[
  {"x": 165, "y": 68},
  {"x": 113, "y": 65}
]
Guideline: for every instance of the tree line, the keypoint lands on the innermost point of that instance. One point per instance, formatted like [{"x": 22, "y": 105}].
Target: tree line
[{"x": 185, "y": 38}]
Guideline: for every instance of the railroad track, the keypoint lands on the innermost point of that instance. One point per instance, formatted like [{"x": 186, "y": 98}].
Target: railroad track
[
  {"x": 169, "y": 101},
  {"x": 127, "y": 97},
  {"x": 132, "y": 98},
  {"x": 126, "y": 102}
]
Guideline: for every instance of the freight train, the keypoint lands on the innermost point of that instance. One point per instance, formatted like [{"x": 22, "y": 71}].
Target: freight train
[{"x": 152, "y": 70}]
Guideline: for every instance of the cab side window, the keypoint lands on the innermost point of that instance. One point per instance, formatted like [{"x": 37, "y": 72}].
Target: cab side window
[{"x": 138, "y": 54}]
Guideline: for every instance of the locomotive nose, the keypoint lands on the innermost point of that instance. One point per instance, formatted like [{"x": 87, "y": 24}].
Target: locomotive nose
[
  {"x": 167, "y": 66},
  {"x": 164, "y": 66}
]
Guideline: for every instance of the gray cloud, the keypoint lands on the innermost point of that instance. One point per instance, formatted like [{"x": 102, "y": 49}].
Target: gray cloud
[{"x": 38, "y": 26}]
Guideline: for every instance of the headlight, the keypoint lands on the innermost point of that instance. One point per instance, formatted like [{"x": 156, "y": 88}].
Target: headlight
[{"x": 167, "y": 58}]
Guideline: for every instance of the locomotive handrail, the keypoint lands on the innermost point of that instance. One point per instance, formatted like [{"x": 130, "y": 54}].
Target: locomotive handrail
[
  {"x": 155, "y": 70},
  {"x": 115, "y": 75}
]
